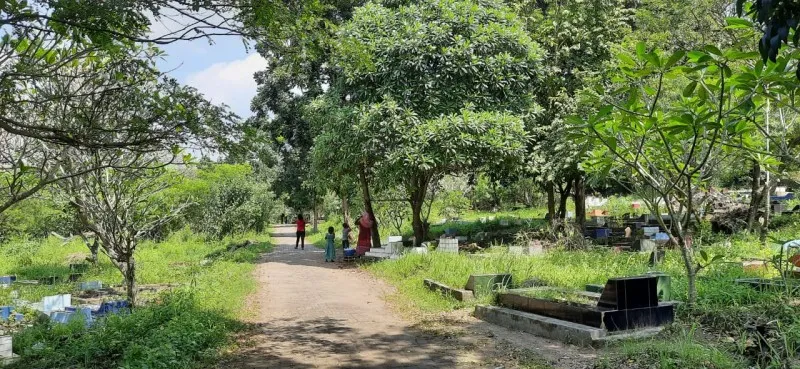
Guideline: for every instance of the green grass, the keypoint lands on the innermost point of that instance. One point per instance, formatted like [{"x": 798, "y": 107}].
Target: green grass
[
  {"x": 184, "y": 328},
  {"x": 723, "y": 307},
  {"x": 682, "y": 351}
]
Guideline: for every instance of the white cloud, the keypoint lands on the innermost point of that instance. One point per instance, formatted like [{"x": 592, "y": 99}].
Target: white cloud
[{"x": 230, "y": 83}]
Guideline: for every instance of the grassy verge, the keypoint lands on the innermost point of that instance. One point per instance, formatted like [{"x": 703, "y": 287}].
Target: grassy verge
[
  {"x": 184, "y": 328},
  {"x": 723, "y": 311}
]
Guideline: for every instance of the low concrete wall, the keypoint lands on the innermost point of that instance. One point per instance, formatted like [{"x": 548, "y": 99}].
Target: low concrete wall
[
  {"x": 458, "y": 294},
  {"x": 539, "y": 325}
]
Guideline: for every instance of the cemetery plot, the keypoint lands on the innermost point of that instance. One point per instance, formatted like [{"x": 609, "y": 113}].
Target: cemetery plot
[{"x": 625, "y": 304}]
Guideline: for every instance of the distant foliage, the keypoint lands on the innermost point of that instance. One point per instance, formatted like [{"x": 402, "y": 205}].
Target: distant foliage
[{"x": 227, "y": 199}]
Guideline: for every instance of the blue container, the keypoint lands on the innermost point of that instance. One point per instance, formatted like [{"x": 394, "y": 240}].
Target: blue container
[
  {"x": 602, "y": 233},
  {"x": 5, "y": 312}
]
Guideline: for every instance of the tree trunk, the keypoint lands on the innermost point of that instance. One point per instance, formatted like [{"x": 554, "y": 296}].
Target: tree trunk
[
  {"x": 755, "y": 196},
  {"x": 93, "y": 247},
  {"x": 551, "y": 202},
  {"x": 417, "y": 190},
  {"x": 130, "y": 279},
  {"x": 765, "y": 195},
  {"x": 495, "y": 196},
  {"x": 416, "y": 222},
  {"x": 345, "y": 209},
  {"x": 316, "y": 216},
  {"x": 563, "y": 193},
  {"x": 376, "y": 237},
  {"x": 580, "y": 201},
  {"x": 691, "y": 272}
]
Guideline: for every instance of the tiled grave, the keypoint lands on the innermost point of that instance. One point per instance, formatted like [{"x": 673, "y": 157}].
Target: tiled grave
[
  {"x": 449, "y": 245},
  {"x": 625, "y": 303},
  {"x": 56, "y": 303}
]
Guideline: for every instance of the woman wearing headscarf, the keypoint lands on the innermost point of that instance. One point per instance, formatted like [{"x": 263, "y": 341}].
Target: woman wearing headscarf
[{"x": 364, "y": 234}]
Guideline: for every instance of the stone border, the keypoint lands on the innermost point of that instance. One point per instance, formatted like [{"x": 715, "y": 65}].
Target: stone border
[{"x": 458, "y": 294}]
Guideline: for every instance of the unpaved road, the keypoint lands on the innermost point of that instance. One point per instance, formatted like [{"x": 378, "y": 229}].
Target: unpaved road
[{"x": 313, "y": 314}]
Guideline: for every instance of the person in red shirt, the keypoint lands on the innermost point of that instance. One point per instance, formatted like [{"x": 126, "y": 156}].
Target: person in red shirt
[{"x": 301, "y": 233}]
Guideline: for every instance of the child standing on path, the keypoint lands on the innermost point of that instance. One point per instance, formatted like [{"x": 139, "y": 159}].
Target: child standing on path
[
  {"x": 330, "y": 251},
  {"x": 346, "y": 236}
]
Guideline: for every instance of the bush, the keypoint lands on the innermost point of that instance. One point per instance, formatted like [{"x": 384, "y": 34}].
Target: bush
[{"x": 172, "y": 334}]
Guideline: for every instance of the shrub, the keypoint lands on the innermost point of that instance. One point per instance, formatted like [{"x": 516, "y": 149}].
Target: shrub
[{"x": 172, "y": 334}]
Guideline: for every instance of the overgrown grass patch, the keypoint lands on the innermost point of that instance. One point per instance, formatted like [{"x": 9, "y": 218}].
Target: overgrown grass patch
[
  {"x": 675, "y": 351},
  {"x": 175, "y": 333},
  {"x": 183, "y": 328}
]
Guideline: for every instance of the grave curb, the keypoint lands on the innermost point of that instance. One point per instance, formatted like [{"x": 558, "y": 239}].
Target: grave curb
[
  {"x": 542, "y": 326},
  {"x": 458, "y": 294}
]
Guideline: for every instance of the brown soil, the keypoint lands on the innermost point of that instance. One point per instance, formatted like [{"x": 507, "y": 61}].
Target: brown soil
[{"x": 311, "y": 314}]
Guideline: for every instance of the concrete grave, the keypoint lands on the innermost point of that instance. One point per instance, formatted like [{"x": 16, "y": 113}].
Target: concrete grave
[
  {"x": 5, "y": 349},
  {"x": 531, "y": 249},
  {"x": 650, "y": 231},
  {"x": 449, "y": 245},
  {"x": 644, "y": 245},
  {"x": 557, "y": 329},
  {"x": 56, "y": 303},
  {"x": 486, "y": 284},
  {"x": 8, "y": 279},
  {"x": 625, "y": 303},
  {"x": 91, "y": 286},
  {"x": 458, "y": 294}
]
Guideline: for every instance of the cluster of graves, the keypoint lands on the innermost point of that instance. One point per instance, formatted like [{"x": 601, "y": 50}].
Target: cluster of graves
[
  {"x": 61, "y": 309},
  {"x": 626, "y": 307}
]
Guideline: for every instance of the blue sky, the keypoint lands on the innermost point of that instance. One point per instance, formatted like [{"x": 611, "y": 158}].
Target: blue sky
[{"x": 222, "y": 71}]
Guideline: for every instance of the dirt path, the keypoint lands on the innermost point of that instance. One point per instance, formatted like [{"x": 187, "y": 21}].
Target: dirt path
[{"x": 313, "y": 314}]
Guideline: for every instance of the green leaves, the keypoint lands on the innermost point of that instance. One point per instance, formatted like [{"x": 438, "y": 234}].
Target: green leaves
[{"x": 688, "y": 91}]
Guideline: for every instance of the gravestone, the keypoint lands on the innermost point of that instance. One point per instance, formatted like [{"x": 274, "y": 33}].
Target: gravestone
[
  {"x": 649, "y": 231},
  {"x": 663, "y": 285},
  {"x": 5, "y": 347},
  {"x": 56, "y": 303},
  {"x": 656, "y": 257},
  {"x": 90, "y": 286},
  {"x": 449, "y": 245},
  {"x": 486, "y": 284},
  {"x": 629, "y": 293},
  {"x": 644, "y": 245},
  {"x": 51, "y": 280}
]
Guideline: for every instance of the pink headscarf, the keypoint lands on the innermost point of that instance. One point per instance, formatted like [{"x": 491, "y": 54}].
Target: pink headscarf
[{"x": 365, "y": 220}]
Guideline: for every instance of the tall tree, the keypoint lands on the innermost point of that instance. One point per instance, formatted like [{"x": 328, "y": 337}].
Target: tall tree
[
  {"x": 298, "y": 53},
  {"x": 578, "y": 38},
  {"x": 110, "y": 101},
  {"x": 442, "y": 87}
]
